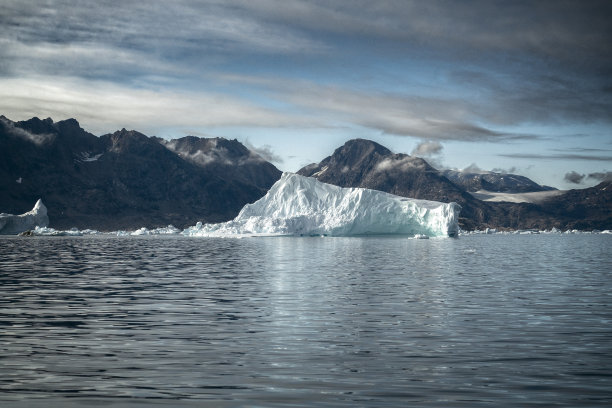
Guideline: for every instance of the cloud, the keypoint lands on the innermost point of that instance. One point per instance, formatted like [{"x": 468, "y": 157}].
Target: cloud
[
  {"x": 36, "y": 138},
  {"x": 400, "y": 163},
  {"x": 601, "y": 176},
  {"x": 177, "y": 30},
  {"x": 556, "y": 156},
  {"x": 524, "y": 97},
  {"x": 545, "y": 63},
  {"x": 473, "y": 168},
  {"x": 511, "y": 170},
  {"x": 91, "y": 61},
  {"x": 549, "y": 28},
  {"x": 574, "y": 177},
  {"x": 102, "y": 106},
  {"x": 427, "y": 148},
  {"x": 265, "y": 152},
  {"x": 426, "y": 117}
]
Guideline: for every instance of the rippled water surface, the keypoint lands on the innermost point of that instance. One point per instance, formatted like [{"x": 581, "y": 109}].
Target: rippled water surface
[{"x": 499, "y": 321}]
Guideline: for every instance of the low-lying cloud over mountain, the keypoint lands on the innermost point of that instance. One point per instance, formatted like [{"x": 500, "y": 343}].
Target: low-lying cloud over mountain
[{"x": 577, "y": 178}]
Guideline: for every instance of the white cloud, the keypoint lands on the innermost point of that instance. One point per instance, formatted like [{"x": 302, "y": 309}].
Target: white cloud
[
  {"x": 36, "y": 138},
  {"x": 427, "y": 148},
  {"x": 264, "y": 152},
  {"x": 399, "y": 163},
  {"x": 102, "y": 107}
]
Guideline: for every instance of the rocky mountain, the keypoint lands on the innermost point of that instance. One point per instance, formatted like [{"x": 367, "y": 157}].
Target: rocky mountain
[
  {"x": 494, "y": 182},
  {"x": 367, "y": 164},
  {"x": 125, "y": 179},
  {"x": 363, "y": 163},
  {"x": 583, "y": 209},
  {"x": 230, "y": 157}
]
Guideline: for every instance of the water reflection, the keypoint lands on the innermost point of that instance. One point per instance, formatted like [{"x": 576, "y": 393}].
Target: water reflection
[{"x": 313, "y": 321}]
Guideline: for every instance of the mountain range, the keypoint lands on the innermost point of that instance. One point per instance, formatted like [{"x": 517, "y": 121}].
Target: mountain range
[
  {"x": 367, "y": 164},
  {"x": 126, "y": 180}
]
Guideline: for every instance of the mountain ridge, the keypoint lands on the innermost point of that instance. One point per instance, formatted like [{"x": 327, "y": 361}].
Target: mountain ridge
[
  {"x": 413, "y": 177},
  {"x": 119, "y": 180},
  {"x": 127, "y": 179}
]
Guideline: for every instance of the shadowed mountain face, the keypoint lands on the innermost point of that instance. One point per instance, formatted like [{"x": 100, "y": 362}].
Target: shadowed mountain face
[
  {"x": 125, "y": 179},
  {"x": 363, "y": 163}
]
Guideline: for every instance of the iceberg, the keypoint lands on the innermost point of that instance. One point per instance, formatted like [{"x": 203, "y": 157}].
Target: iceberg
[
  {"x": 298, "y": 205},
  {"x": 15, "y": 224}
]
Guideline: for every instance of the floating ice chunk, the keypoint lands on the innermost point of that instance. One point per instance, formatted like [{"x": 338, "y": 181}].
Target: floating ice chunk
[
  {"x": 46, "y": 231},
  {"x": 297, "y": 205},
  {"x": 141, "y": 231},
  {"x": 15, "y": 224},
  {"x": 169, "y": 230}
]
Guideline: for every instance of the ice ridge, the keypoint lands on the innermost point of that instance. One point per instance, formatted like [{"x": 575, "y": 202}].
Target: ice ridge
[{"x": 298, "y": 205}]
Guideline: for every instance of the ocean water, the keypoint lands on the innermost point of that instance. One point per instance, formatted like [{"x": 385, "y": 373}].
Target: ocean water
[{"x": 485, "y": 320}]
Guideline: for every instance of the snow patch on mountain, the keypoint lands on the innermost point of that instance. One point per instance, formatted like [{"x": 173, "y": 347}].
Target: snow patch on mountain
[
  {"x": 535, "y": 197},
  {"x": 298, "y": 205}
]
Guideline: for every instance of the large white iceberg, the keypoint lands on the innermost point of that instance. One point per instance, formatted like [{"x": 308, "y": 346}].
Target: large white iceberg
[
  {"x": 297, "y": 205},
  {"x": 15, "y": 224}
]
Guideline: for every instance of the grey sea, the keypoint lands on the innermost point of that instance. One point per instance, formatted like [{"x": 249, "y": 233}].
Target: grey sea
[{"x": 483, "y": 320}]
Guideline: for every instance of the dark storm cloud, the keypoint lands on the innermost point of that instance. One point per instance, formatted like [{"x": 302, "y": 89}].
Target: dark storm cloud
[
  {"x": 572, "y": 31},
  {"x": 574, "y": 177},
  {"x": 528, "y": 97},
  {"x": 546, "y": 27}
]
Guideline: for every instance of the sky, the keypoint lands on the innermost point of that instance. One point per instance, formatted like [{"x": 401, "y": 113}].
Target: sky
[{"x": 510, "y": 86}]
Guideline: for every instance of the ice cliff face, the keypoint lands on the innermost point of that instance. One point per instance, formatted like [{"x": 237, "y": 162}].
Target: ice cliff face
[
  {"x": 15, "y": 224},
  {"x": 298, "y": 205}
]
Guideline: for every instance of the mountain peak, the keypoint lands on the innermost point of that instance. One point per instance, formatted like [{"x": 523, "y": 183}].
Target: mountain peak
[
  {"x": 71, "y": 122},
  {"x": 361, "y": 148},
  {"x": 123, "y": 141},
  {"x": 356, "y": 153},
  {"x": 210, "y": 151}
]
